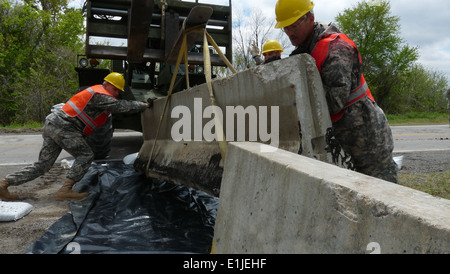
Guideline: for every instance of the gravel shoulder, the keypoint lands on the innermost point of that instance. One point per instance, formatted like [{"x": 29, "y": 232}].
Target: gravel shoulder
[{"x": 424, "y": 162}]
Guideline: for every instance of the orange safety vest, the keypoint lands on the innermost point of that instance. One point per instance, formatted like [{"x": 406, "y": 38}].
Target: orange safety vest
[
  {"x": 320, "y": 54},
  {"x": 75, "y": 108}
]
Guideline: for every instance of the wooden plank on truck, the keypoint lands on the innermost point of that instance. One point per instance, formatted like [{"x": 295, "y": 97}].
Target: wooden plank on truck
[
  {"x": 198, "y": 16},
  {"x": 139, "y": 19}
]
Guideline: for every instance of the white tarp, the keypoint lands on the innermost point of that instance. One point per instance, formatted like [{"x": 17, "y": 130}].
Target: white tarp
[{"x": 399, "y": 161}]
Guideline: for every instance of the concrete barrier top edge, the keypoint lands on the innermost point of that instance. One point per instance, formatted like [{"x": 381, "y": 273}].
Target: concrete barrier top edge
[{"x": 400, "y": 197}]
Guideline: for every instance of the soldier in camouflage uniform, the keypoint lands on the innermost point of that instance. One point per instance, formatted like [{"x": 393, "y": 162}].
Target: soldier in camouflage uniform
[
  {"x": 272, "y": 51},
  {"x": 68, "y": 132},
  {"x": 448, "y": 105},
  {"x": 360, "y": 126}
]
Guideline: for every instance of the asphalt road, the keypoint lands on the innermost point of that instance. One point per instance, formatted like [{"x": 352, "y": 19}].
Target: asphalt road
[
  {"x": 421, "y": 138},
  {"x": 23, "y": 149},
  {"x": 425, "y": 149},
  {"x": 20, "y": 150}
]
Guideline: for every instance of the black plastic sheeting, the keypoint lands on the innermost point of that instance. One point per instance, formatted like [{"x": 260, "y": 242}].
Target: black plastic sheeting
[{"x": 128, "y": 213}]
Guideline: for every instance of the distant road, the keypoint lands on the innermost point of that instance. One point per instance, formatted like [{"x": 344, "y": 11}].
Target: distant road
[
  {"x": 426, "y": 138},
  {"x": 23, "y": 149}
]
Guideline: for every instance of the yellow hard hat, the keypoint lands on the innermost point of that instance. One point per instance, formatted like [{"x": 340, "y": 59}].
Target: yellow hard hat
[
  {"x": 272, "y": 45},
  {"x": 289, "y": 11},
  {"x": 116, "y": 79}
]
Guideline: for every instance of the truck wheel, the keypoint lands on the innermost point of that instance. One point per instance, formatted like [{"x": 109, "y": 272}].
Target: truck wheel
[{"x": 100, "y": 140}]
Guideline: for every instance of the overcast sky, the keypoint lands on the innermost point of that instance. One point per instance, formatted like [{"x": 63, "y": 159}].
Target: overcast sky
[{"x": 425, "y": 24}]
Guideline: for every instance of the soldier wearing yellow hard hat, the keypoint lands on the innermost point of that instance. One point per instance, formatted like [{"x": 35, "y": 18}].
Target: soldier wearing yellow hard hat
[
  {"x": 289, "y": 11},
  {"x": 67, "y": 128},
  {"x": 293, "y": 14},
  {"x": 116, "y": 79},
  {"x": 358, "y": 124},
  {"x": 272, "y": 50}
]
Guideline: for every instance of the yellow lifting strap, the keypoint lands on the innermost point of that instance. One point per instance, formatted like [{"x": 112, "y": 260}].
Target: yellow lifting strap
[{"x": 207, "y": 62}]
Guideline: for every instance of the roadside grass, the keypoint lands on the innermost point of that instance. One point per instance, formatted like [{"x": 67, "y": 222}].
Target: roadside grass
[
  {"x": 17, "y": 126},
  {"x": 435, "y": 184},
  {"x": 418, "y": 118}
]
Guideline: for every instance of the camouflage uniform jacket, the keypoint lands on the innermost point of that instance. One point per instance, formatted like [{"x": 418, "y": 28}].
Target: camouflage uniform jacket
[
  {"x": 259, "y": 60},
  {"x": 448, "y": 103},
  {"x": 363, "y": 131},
  {"x": 98, "y": 104},
  {"x": 448, "y": 98}
]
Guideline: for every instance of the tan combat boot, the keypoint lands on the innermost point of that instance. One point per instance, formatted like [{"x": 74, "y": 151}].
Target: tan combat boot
[
  {"x": 4, "y": 193},
  {"x": 66, "y": 192}
]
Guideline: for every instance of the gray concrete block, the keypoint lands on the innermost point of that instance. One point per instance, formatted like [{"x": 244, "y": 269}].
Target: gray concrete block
[
  {"x": 281, "y": 202},
  {"x": 287, "y": 93}
]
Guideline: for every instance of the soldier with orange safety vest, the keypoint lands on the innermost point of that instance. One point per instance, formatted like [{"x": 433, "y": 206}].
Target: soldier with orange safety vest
[
  {"x": 67, "y": 128},
  {"x": 272, "y": 51},
  {"x": 358, "y": 124}
]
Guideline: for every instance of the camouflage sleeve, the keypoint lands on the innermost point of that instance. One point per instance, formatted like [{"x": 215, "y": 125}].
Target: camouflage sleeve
[
  {"x": 105, "y": 102},
  {"x": 448, "y": 101},
  {"x": 258, "y": 60},
  {"x": 338, "y": 75}
]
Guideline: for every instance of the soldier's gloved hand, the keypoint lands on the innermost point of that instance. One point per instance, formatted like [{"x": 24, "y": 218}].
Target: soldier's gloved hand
[
  {"x": 150, "y": 102},
  {"x": 254, "y": 50}
]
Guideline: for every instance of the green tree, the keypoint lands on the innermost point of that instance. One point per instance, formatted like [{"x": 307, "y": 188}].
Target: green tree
[
  {"x": 425, "y": 91},
  {"x": 15, "y": 52},
  {"x": 39, "y": 41},
  {"x": 385, "y": 56}
]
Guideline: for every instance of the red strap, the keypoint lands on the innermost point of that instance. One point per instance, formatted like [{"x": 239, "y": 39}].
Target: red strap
[{"x": 320, "y": 54}]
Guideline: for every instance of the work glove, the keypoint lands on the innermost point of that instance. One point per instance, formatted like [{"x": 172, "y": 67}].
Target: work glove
[
  {"x": 150, "y": 102},
  {"x": 254, "y": 50}
]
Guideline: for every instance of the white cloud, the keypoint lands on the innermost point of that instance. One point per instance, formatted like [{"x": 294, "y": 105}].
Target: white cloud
[{"x": 425, "y": 24}]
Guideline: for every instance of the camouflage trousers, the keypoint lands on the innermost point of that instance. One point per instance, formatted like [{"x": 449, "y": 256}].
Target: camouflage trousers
[
  {"x": 368, "y": 139},
  {"x": 56, "y": 139}
]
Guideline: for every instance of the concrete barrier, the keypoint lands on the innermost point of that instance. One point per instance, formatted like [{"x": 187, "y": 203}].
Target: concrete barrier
[
  {"x": 281, "y": 202},
  {"x": 290, "y": 107}
]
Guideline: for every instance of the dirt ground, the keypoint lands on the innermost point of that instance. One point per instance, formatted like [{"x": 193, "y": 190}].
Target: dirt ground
[{"x": 17, "y": 236}]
